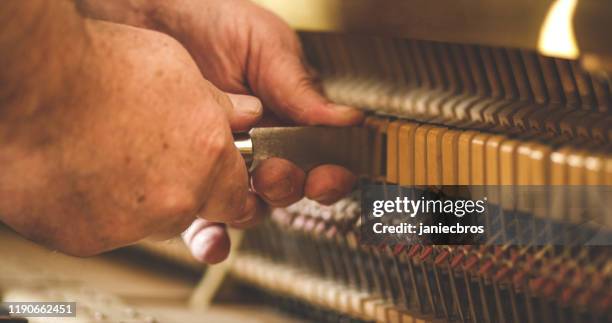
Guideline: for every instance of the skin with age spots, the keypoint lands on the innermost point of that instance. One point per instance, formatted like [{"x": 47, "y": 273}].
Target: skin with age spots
[
  {"x": 140, "y": 142},
  {"x": 74, "y": 190}
]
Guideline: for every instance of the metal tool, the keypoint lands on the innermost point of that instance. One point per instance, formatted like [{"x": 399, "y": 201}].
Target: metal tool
[{"x": 307, "y": 147}]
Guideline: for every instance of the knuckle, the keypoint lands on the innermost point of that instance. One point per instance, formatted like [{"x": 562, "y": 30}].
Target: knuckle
[
  {"x": 168, "y": 59},
  {"x": 220, "y": 98},
  {"x": 217, "y": 146},
  {"x": 165, "y": 46},
  {"x": 175, "y": 201},
  {"x": 217, "y": 143}
]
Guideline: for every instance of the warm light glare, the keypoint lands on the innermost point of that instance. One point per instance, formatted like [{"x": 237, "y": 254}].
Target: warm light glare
[{"x": 557, "y": 33}]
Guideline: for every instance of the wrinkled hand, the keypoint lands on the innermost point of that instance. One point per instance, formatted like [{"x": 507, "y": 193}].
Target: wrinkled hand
[
  {"x": 243, "y": 48},
  {"x": 140, "y": 145},
  {"x": 249, "y": 50}
]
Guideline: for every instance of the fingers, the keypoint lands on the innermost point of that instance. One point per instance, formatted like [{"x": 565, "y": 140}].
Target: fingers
[
  {"x": 208, "y": 241},
  {"x": 226, "y": 197},
  {"x": 246, "y": 112},
  {"x": 286, "y": 87},
  {"x": 278, "y": 181},
  {"x": 281, "y": 183},
  {"x": 255, "y": 210},
  {"x": 327, "y": 184}
]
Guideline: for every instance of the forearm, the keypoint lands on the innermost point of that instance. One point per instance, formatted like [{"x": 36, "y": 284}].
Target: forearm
[{"x": 40, "y": 45}]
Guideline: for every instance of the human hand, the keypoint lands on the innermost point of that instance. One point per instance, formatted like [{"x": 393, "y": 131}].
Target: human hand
[
  {"x": 261, "y": 55},
  {"x": 243, "y": 48},
  {"x": 137, "y": 144}
]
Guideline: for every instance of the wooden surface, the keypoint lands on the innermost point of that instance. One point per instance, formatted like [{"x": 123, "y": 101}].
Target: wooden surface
[{"x": 159, "y": 289}]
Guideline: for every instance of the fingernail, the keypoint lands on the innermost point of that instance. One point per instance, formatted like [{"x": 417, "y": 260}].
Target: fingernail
[
  {"x": 347, "y": 111},
  {"x": 280, "y": 190},
  {"x": 246, "y": 104}
]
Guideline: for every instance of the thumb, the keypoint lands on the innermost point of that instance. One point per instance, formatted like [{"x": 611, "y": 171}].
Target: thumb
[
  {"x": 290, "y": 91},
  {"x": 246, "y": 111}
]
